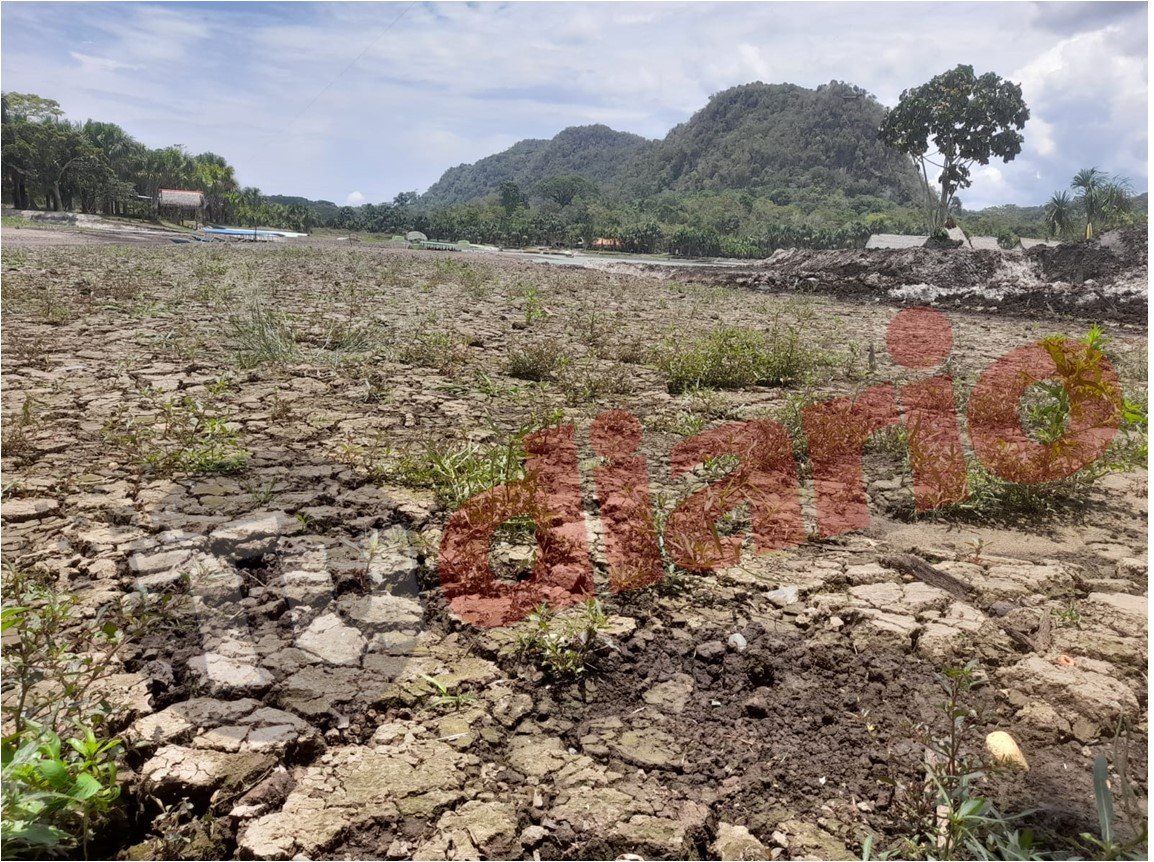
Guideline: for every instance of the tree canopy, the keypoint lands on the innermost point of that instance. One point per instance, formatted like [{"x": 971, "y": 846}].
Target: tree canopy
[{"x": 952, "y": 122}]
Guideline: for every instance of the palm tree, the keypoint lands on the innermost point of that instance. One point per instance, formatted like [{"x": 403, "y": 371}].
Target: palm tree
[
  {"x": 1060, "y": 214},
  {"x": 1102, "y": 199},
  {"x": 1087, "y": 185}
]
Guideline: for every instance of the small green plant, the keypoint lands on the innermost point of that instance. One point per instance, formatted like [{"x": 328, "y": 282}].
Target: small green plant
[
  {"x": 181, "y": 436},
  {"x": 446, "y": 697},
  {"x": 59, "y": 759},
  {"x": 56, "y": 792},
  {"x": 566, "y": 646},
  {"x": 945, "y": 817},
  {"x": 1107, "y": 844},
  {"x": 1069, "y": 615},
  {"x": 534, "y": 307}
]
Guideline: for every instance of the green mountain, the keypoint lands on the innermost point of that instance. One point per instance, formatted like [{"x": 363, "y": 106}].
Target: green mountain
[
  {"x": 768, "y": 138},
  {"x": 597, "y": 153}
]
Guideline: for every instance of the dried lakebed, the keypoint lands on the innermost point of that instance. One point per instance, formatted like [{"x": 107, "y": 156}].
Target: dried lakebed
[{"x": 251, "y": 432}]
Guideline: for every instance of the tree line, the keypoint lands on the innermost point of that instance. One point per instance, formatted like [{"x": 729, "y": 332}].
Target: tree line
[
  {"x": 97, "y": 167},
  {"x": 52, "y": 163}
]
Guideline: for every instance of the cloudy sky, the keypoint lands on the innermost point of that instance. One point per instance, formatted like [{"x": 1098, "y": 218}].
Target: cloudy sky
[{"x": 356, "y": 102}]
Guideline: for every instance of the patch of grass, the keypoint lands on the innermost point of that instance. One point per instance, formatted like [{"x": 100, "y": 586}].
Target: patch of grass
[
  {"x": 535, "y": 360},
  {"x": 734, "y": 357},
  {"x": 177, "y": 435},
  {"x": 455, "y": 472},
  {"x": 682, "y": 423},
  {"x": 585, "y": 382},
  {"x": 262, "y": 336},
  {"x": 432, "y": 348}
]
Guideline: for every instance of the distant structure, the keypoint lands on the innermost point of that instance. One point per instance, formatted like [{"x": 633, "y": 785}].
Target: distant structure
[
  {"x": 985, "y": 243},
  {"x": 895, "y": 240},
  {"x": 603, "y": 242},
  {"x": 179, "y": 203}
]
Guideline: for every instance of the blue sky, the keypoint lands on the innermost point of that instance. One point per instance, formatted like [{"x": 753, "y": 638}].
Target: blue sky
[{"x": 355, "y": 102}]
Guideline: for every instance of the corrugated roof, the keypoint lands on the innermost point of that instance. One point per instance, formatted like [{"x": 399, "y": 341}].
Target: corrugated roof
[
  {"x": 180, "y": 198},
  {"x": 1027, "y": 242},
  {"x": 895, "y": 240}
]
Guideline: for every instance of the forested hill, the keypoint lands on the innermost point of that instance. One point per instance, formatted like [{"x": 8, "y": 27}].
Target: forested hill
[
  {"x": 777, "y": 137},
  {"x": 597, "y": 153},
  {"x": 762, "y": 137}
]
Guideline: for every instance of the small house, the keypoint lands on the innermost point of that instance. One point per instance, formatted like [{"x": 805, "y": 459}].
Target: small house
[
  {"x": 180, "y": 203},
  {"x": 606, "y": 243}
]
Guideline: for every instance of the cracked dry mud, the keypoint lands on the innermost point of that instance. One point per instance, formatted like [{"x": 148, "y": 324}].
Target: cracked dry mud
[{"x": 756, "y": 712}]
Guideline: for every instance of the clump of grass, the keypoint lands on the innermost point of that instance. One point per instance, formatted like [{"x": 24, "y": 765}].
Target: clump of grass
[
  {"x": 734, "y": 357},
  {"x": 432, "y": 348},
  {"x": 455, "y": 472},
  {"x": 536, "y": 360},
  {"x": 263, "y": 336},
  {"x": 16, "y": 429},
  {"x": 471, "y": 279},
  {"x": 566, "y": 646},
  {"x": 179, "y": 435},
  {"x": 585, "y": 382},
  {"x": 683, "y": 423}
]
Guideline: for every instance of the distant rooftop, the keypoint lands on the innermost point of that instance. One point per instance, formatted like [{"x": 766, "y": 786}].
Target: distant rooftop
[
  {"x": 895, "y": 240},
  {"x": 187, "y": 198}
]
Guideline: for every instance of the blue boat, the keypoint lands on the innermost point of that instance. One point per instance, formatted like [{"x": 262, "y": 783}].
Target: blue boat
[{"x": 251, "y": 233}]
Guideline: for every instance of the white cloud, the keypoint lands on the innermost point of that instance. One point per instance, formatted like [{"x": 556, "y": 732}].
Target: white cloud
[
  {"x": 312, "y": 98},
  {"x": 355, "y": 199}
]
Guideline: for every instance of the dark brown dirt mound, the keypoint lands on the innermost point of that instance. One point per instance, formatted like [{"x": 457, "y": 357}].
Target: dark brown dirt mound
[{"x": 1103, "y": 279}]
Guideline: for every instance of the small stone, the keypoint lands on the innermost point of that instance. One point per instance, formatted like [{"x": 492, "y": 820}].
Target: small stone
[
  {"x": 252, "y": 536},
  {"x": 737, "y": 642},
  {"x": 531, "y": 836},
  {"x": 783, "y": 596},
  {"x": 1003, "y": 749},
  {"x": 736, "y": 842},
  {"x": 710, "y": 650}
]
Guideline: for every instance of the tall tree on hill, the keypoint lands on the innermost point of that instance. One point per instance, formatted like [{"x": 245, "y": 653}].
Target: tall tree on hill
[
  {"x": 951, "y": 123},
  {"x": 564, "y": 190}
]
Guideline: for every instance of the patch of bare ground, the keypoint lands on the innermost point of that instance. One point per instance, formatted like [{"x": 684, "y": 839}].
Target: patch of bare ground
[{"x": 273, "y": 437}]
